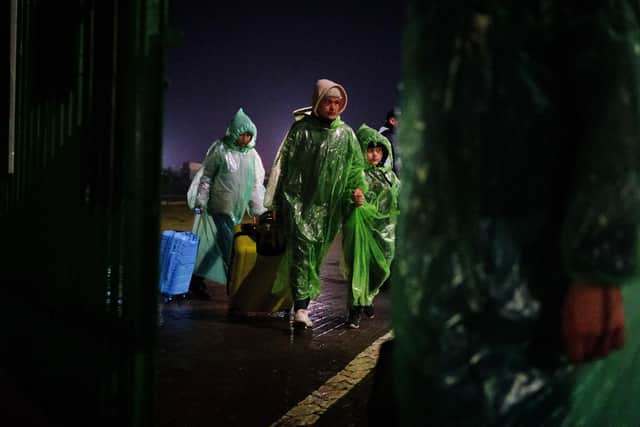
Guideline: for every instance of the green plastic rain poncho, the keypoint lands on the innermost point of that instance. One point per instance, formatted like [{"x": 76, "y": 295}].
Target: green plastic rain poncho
[
  {"x": 232, "y": 182},
  {"x": 317, "y": 168},
  {"x": 370, "y": 232},
  {"x": 521, "y": 135}
]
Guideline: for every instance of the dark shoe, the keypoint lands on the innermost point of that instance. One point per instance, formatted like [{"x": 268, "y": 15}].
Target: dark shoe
[
  {"x": 369, "y": 312},
  {"x": 235, "y": 314},
  {"x": 201, "y": 295},
  {"x": 198, "y": 289},
  {"x": 354, "y": 317}
]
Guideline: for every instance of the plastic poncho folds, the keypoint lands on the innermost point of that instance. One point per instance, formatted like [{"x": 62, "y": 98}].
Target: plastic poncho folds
[
  {"x": 522, "y": 171},
  {"x": 232, "y": 183},
  {"x": 369, "y": 234},
  {"x": 318, "y": 167}
]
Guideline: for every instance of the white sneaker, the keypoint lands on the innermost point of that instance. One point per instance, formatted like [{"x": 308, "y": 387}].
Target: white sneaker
[{"x": 302, "y": 318}]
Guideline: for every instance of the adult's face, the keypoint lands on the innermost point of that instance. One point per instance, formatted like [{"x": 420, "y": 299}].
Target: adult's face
[{"x": 329, "y": 107}]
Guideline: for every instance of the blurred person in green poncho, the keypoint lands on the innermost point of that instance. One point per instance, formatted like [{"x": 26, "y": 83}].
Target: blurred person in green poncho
[
  {"x": 315, "y": 183},
  {"x": 370, "y": 232},
  {"x": 520, "y": 216},
  {"x": 231, "y": 183}
]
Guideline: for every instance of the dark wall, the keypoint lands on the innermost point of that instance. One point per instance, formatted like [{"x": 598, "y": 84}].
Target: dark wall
[{"x": 81, "y": 212}]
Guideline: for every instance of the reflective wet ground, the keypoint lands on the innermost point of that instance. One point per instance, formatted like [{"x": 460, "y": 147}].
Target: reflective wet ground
[{"x": 213, "y": 371}]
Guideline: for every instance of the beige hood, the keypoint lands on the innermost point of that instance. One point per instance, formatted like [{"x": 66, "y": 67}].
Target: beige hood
[{"x": 321, "y": 89}]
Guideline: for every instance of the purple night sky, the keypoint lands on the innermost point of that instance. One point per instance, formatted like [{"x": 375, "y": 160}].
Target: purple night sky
[{"x": 267, "y": 59}]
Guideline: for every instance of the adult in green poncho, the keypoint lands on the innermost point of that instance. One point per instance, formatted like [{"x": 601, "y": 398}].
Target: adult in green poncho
[
  {"x": 369, "y": 234},
  {"x": 314, "y": 185},
  {"x": 231, "y": 183},
  {"x": 520, "y": 215}
]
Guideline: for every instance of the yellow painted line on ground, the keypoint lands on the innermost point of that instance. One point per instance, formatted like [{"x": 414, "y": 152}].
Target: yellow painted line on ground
[{"x": 309, "y": 410}]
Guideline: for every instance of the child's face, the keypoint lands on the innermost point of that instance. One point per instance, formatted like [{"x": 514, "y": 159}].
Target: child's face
[
  {"x": 244, "y": 139},
  {"x": 374, "y": 155},
  {"x": 329, "y": 107}
]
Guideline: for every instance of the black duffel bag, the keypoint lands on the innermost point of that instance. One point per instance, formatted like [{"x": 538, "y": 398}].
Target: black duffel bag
[{"x": 270, "y": 236}]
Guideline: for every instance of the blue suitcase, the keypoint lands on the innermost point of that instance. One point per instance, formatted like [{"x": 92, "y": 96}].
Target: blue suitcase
[{"x": 178, "y": 250}]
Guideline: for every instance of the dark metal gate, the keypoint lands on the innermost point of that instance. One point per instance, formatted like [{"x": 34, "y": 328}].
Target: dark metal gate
[{"x": 81, "y": 158}]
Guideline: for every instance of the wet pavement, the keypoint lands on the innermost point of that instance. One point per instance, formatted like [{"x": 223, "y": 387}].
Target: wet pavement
[{"x": 211, "y": 370}]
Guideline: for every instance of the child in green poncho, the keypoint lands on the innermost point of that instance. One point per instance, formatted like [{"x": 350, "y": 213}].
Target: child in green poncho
[{"x": 369, "y": 234}]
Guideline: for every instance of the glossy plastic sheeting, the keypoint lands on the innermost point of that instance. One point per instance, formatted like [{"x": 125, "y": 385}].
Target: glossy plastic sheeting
[
  {"x": 318, "y": 167},
  {"x": 215, "y": 234},
  {"x": 233, "y": 176},
  {"x": 232, "y": 183},
  {"x": 521, "y": 150},
  {"x": 368, "y": 244}
]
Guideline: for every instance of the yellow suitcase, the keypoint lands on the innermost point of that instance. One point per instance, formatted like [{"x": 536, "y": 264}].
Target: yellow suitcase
[
  {"x": 251, "y": 275},
  {"x": 243, "y": 258}
]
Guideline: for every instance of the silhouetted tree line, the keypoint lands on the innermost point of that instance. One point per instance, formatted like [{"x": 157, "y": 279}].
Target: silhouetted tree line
[{"x": 174, "y": 182}]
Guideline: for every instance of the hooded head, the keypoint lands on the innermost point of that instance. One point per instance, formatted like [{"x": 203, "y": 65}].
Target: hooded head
[
  {"x": 239, "y": 124},
  {"x": 332, "y": 91},
  {"x": 392, "y": 118},
  {"x": 369, "y": 137}
]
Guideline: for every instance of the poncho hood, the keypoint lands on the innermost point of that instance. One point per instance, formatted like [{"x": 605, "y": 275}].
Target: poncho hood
[
  {"x": 366, "y": 135},
  {"x": 239, "y": 124},
  {"x": 322, "y": 87}
]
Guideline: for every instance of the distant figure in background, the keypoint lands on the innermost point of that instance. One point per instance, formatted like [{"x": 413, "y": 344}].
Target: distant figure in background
[
  {"x": 388, "y": 130},
  {"x": 316, "y": 181},
  {"x": 231, "y": 182}
]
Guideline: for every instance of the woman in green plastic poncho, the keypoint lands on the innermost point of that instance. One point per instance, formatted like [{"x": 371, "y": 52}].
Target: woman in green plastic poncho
[
  {"x": 314, "y": 185},
  {"x": 231, "y": 183},
  {"x": 369, "y": 234}
]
